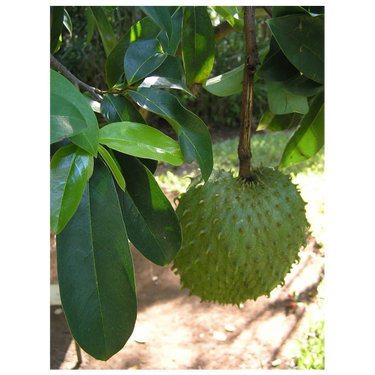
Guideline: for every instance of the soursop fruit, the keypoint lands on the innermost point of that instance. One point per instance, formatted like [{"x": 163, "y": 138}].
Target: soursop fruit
[{"x": 240, "y": 238}]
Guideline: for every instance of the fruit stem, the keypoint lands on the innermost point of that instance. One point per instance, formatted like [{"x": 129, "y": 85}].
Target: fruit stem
[{"x": 251, "y": 62}]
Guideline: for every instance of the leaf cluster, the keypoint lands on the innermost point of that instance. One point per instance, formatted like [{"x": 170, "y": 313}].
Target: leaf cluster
[
  {"x": 103, "y": 192},
  {"x": 293, "y": 71}
]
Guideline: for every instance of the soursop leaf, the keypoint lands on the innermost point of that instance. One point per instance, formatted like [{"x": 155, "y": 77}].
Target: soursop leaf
[
  {"x": 95, "y": 269},
  {"x": 142, "y": 58},
  {"x": 105, "y": 29},
  {"x": 301, "y": 38},
  {"x": 271, "y": 122},
  {"x": 281, "y": 101},
  {"x": 151, "y": 222},
  {"x": 70, "y": 169},
  {"x": 141, "y": 140},
  {"x": 308, "y": 138},
  {"x": 197, "y": 44},
  {"x": 143, "y": 29},
  {"x": 116, "y": 108},
  {"x": 65, "y": 118},
  {"x": 276, "y": 66},
  {"x": 231, "y": 15},
  {"x": 192, "y": 132},
  {"x": 226, "y": 84},
  {"x": 88, "y": 137},
  {"x": 111, "y": 163},
  {"x": 165, "y": 83},
  {"x": 160, "y": 16},
  {"x": 170, "y": 43}
]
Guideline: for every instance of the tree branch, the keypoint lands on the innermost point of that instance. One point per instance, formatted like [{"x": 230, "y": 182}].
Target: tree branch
[
  {"x": 251, "y": 62},
  {"x": 220, "y": 31},
  {"x": 56, "y": 65}
]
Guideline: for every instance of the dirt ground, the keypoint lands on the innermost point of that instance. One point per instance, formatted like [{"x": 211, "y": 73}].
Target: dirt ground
[{"x": 176, "y": 332}]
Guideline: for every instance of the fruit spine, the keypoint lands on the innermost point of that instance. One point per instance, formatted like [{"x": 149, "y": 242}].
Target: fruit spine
[{"x": 240, "y": 239}]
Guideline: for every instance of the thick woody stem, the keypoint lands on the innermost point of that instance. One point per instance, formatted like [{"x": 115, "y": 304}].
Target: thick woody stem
[{"x": 251, "y": 62}]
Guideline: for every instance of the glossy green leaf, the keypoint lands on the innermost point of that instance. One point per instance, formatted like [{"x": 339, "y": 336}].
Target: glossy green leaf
[
  {"x": 90, "y": 26},
  {"x": 88, "y": 138},
  {"x": 194, "y": 137},
  {"x": 271, "y": 122},
  {"x": 95, "y": 270},
  {"x": 171, "y": 68},
  {"x": 301, "y": 38},
  {"x": 197, "y": 44},
  {"x": 65, "y": 118},
  {"x": 116, "y": 108},
  {"x": 161, "y": 16},
  {"x": 282, "y": 101},
  {"x": 280, "y": 11},
  {"x": 150, "y": 219},
  {"x": 308, "y": 138},
  {"x": 170, "y": 44},
  {"x": 143, "y": 29},
  {"x": 142, "y": 58},
  {"x": 69, "y": 173},
  {"x": 165, "y": 83},
  {"x": 141, "y": 140},
  {"x": 56, "y": 27},
  {"x": 68, "y": 22},
  {"x": 276, "y": 66},
  {"x": 301, "y": 85},
  {"x": 226, "y": 84},
  {"x": 231, "y": 15},
  {"x": 150, "y": 164},
  {"x": 105, "y": 29},
  {"x": 113, "y": 167}
]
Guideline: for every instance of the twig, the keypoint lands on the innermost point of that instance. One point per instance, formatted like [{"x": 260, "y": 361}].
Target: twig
[
  {"x": 56, "y": 65},
  {"x": 220, "y": 31},
  {"x": 251, "y": 62},
  {"x": 268, "y": 10}
]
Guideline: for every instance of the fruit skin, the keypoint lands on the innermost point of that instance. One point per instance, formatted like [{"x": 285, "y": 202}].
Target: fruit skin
[{"x": 240, "y": 239}]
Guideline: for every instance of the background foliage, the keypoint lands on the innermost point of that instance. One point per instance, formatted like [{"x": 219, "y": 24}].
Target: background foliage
[{"x": 83, "y": 54}]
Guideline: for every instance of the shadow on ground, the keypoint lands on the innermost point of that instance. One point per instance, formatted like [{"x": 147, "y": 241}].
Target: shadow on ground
[{"x": 179, "y": 332}]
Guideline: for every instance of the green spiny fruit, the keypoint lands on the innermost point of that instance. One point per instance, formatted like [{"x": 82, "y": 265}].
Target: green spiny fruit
[{"x": 240, "y": 239}]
